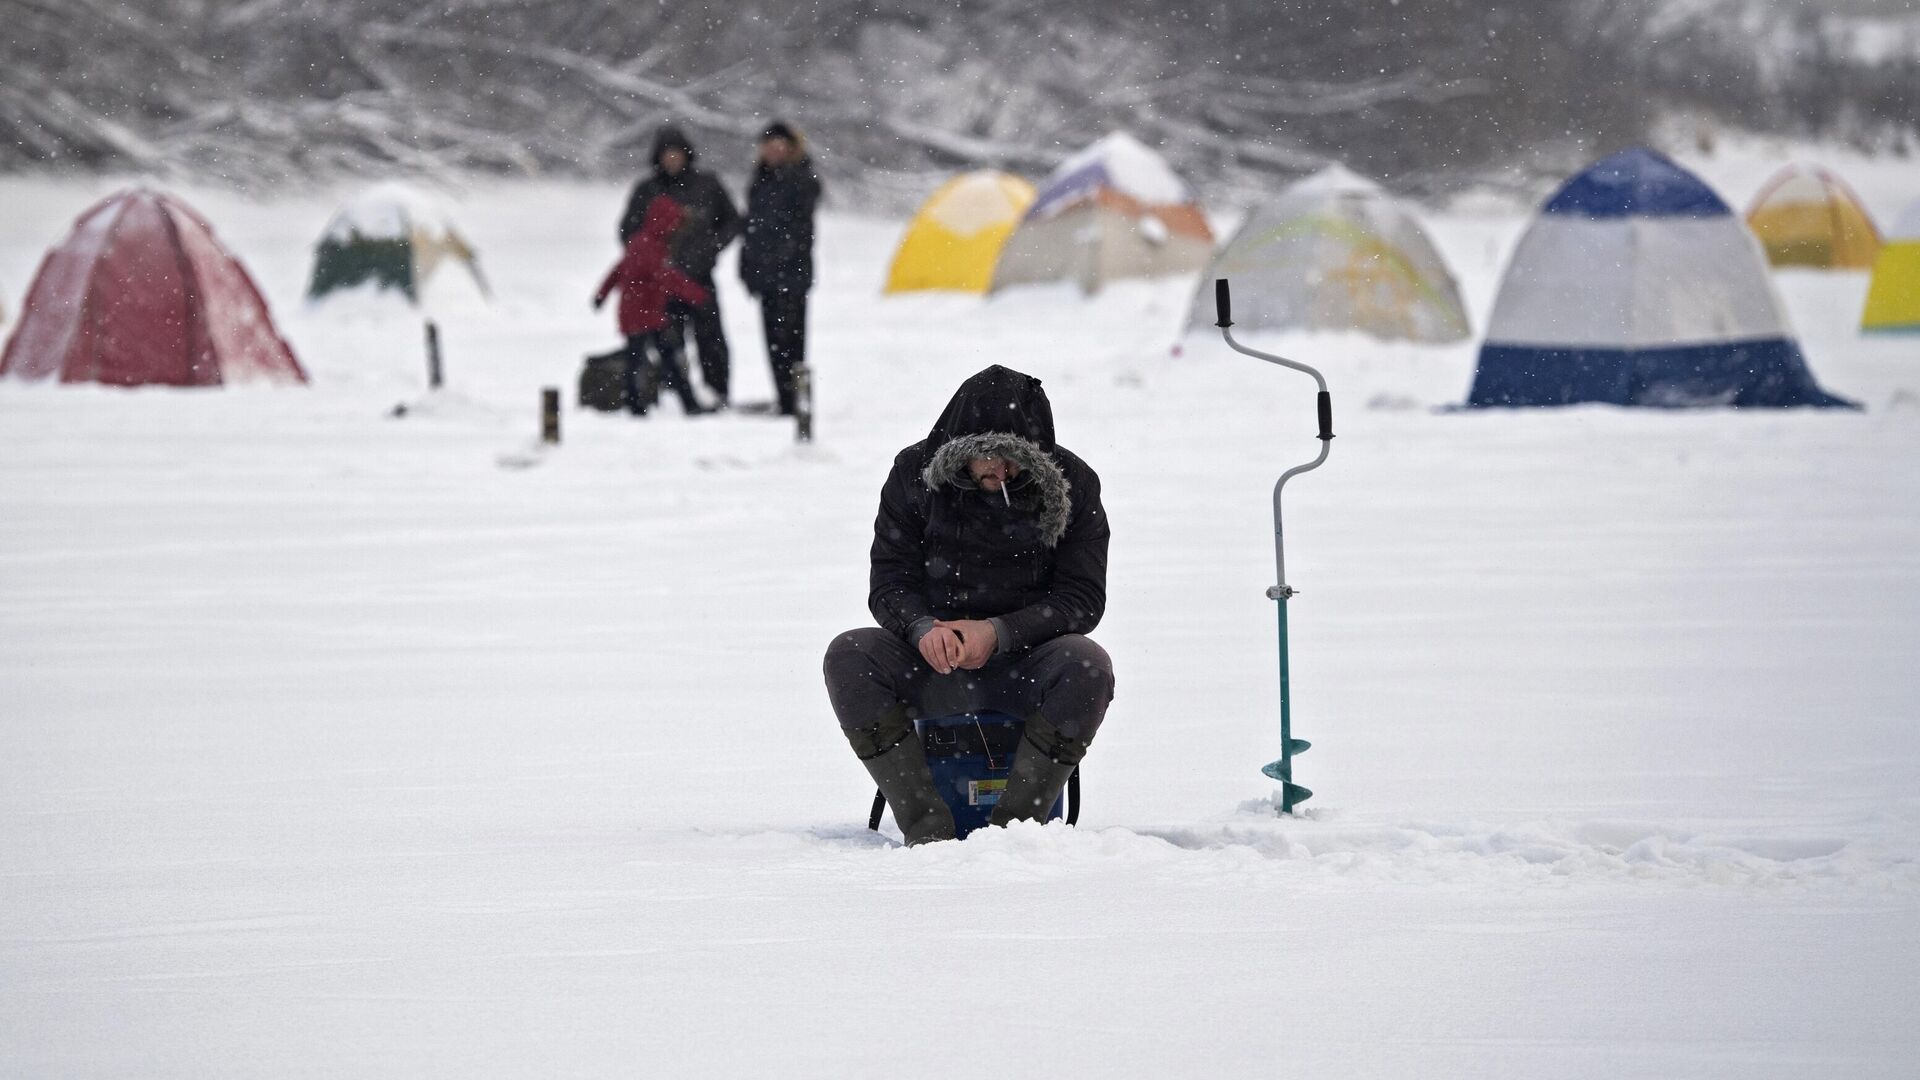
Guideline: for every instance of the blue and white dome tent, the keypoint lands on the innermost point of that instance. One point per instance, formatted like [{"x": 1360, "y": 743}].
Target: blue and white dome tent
[{"x": 1637, "y": 285}]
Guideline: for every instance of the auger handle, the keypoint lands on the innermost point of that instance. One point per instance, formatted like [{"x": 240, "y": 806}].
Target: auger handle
[{"x": 1222, "y": 303}]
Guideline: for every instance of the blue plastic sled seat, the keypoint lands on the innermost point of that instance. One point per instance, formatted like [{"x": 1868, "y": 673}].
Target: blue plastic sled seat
[{"x": 970, "y": 755}]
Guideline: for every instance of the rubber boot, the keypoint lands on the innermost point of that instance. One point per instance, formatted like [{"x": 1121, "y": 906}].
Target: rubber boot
[
  {"x": 892, "y": 753},
  {"x": 1039, "y": 773}
]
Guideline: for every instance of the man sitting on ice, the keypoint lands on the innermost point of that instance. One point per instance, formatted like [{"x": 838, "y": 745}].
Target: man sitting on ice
[{"x": 989, "y": 568}]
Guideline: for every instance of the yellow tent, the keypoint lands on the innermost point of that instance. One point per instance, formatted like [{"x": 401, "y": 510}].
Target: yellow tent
[
  {"x": 1893, "y": 299},
  {"x": 1806, "y": 216},
  {"x": 955, "y": 237}
]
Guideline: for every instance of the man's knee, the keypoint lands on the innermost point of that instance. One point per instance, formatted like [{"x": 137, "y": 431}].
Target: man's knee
[
  {"x": 862, "y": 641},
  {"x": 865, "y": 670},
  {"x": 1081, "y": 659},
  {"x": 1076, "y": 686}
]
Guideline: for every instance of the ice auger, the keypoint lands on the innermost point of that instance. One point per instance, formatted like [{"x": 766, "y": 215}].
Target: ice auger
[{"x": 1291, "y": 794}]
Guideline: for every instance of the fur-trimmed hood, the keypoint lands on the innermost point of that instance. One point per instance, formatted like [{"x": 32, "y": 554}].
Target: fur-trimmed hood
[
  {"x": 1003, "y": 413},
  {"x": 1041, "y": 487}
]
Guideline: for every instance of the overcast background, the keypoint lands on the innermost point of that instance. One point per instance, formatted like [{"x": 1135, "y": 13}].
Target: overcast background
[{"x": 1430, "y": 95}]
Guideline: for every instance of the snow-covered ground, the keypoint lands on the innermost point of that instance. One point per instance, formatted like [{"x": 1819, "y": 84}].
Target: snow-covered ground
[{"x": 340, "y": 744}]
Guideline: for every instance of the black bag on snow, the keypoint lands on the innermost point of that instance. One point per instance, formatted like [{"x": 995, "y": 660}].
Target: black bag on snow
[{"x": 603, "y": 383}]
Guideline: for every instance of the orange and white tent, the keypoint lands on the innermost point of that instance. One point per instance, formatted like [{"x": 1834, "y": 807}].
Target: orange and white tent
[{"x": 1114, "y": 210}]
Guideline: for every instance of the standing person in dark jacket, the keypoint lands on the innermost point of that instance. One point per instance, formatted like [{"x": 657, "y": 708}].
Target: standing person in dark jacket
[
  {"x": 647, "y": 282},
  {"x": 989, "y": 568},
  {"x": 776, "y": 256},
  {"x": 709, "y": 225}
]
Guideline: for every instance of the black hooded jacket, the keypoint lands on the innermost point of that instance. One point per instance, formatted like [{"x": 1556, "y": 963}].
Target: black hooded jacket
[
  {"x": 945, "y": 549},
  {"x": 710, "y": 222}
]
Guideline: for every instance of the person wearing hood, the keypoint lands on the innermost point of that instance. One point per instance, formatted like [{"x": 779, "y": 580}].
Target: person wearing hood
[
  {"x": 776, "y": 254},
  {"x": 709, "y": 225},
  {"x": 989, "y": 568},
  {"x": 647, "y": 282}
]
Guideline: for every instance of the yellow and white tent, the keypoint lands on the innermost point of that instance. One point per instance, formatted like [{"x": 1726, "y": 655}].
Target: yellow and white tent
[
  {"x": 1806, "y": 216},
  {"x": 956, "y": 236},
  {"x": 1893, "y": 298},
  {"x": 1336, "y": 252}
]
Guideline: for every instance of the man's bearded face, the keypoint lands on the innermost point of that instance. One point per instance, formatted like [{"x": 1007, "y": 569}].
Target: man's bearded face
[{"x": 991, "y": 473}]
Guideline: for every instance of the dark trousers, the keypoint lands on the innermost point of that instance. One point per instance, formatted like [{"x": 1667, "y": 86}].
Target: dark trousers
[
  {"x": 672, "y": 375},
  {"x": 783, "y": 314},
  {"x": 1068, "y": 680},
  {"x": 709, "y": 339}
]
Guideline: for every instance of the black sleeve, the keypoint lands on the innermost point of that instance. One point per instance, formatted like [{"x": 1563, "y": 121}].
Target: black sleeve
[
  {"x": 753, "y": 230},
  {"x": 898, "y": 593},
  {"x": 636, "y": 212},
  {"x": 807, "y": 193},
  {"x": 1077, "y": 596},
  {"x": 726, "y": 219}
]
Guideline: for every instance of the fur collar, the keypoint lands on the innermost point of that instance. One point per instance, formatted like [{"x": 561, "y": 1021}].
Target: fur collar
[{"x": 1046, "y": 487}]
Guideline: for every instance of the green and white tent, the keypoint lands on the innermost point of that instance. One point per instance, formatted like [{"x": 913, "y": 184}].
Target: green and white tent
[
  {"x": 1336, "y": 252},
  {"x": 394, "y": 239}
]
